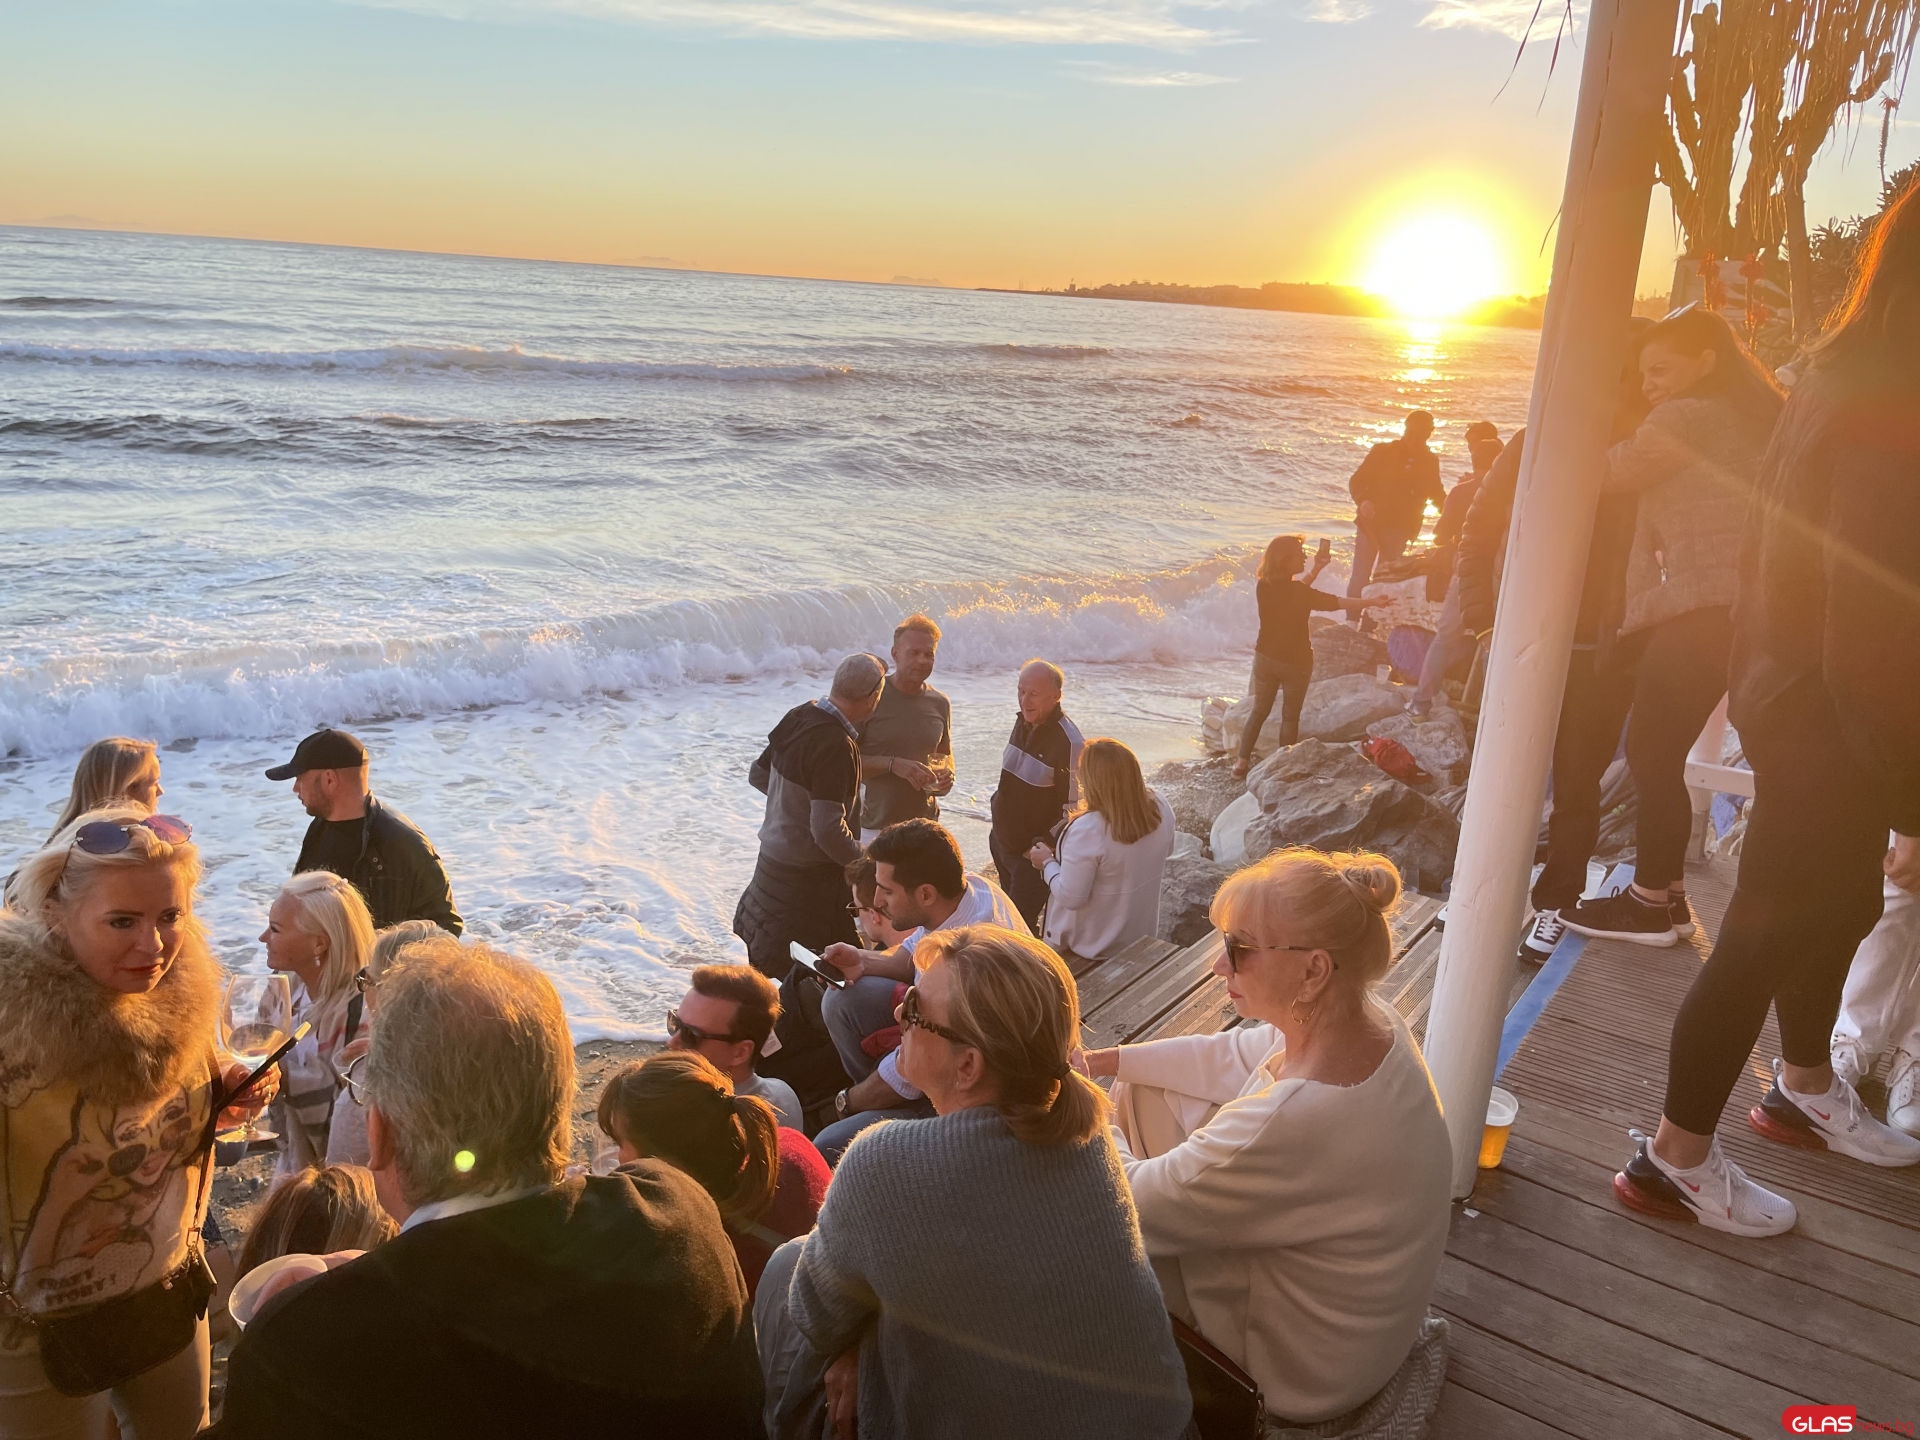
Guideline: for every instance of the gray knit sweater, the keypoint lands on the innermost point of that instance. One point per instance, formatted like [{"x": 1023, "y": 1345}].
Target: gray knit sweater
[
  {"x": 1001, "y": 1288},
  {"x": 1692, "y": 463}
]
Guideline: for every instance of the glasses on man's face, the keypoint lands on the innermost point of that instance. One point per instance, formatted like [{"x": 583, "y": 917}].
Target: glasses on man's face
[
  {"x": 693, "y": 1034},
  {"x": 1238, "y": 950},
  {"x": 910, "y": 1015},
  {"x": 356, "y": 1089},
  {"x": 363, "y": 982}
]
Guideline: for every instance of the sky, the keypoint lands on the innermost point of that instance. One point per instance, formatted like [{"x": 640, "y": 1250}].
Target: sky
[{"x": 971, "y": 142}]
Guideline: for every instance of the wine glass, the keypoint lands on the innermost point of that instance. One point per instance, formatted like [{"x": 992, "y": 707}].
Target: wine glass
[{"x": 254, "y": 1020}]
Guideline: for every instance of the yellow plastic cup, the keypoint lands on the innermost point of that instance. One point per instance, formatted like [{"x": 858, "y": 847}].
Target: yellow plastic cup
[{"x": 1502, "y": 1109}]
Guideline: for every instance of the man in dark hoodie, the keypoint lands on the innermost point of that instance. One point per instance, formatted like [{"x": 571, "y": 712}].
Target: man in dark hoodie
[
  {"x": 1390, "y": 492},
  {"x": 810, "y": 772},
  {"x": 514, "y": 1301},
  {"x": 1039, "y": 783}
]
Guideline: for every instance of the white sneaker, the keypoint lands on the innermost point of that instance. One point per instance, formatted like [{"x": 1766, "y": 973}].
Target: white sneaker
[
  {"x": 1848, "y": 1061},
  {"x": 1547, "y": 931},
  {"x": 1833, "y": 1121},
  {"x": 1903, "y": 1093},
  {"x": 1717, "y": 1194}
]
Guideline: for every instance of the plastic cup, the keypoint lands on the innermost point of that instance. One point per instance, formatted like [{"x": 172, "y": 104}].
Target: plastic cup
[
  {"x": 1383, "y": 673},
  {"x": 1502, "y": 1109}
]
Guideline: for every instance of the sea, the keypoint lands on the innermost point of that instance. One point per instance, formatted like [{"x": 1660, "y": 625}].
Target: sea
[{"x": 562, "y": 542}]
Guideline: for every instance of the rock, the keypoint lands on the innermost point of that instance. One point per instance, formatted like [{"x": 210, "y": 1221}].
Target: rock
[
  {"x": 1213, "y": 713},
  {"x": 1198, "y": 790},
  {"x": 1187, "y": 847},
  {"x": 1343, "y": 707},
  {"x": 1438, "y": 743},
  {"x": 1339, "y": 649},
  {"x": 1186, "y": 892},
  {"x": 1229, "y": 835},
  {"x": 1330, "y": 797}
]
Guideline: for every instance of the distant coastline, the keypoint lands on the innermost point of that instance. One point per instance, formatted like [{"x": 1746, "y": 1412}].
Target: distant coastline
[{"x": 1519, "y": 312}]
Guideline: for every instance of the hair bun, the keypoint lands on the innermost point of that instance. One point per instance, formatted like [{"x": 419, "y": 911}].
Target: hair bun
[{"x": 1374, "y": 879}]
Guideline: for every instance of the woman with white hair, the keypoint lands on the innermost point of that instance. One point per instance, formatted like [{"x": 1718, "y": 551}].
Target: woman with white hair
[
  {"x": 108, "y": 1003},
  {"x": 319, "y": 932},
  {"x": 1292, "y": 1177}
]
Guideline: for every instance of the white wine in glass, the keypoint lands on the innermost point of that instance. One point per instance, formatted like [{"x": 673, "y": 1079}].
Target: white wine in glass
[{"x": 254, "y": 1020}]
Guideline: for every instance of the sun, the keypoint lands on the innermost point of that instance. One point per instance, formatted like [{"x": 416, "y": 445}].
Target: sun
[{"x": 1435, "y": 265}]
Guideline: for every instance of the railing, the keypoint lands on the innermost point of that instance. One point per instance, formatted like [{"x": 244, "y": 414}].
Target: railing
[{"x": 1707, "y": 777}]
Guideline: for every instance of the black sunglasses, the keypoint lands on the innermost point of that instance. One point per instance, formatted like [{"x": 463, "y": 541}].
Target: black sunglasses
[
  {"x": 910, "y": 1015},
  {"x": 1238, "y": 950},
  {"x": 110, "y": 837},
  {"x": 693, "y": 1035}
]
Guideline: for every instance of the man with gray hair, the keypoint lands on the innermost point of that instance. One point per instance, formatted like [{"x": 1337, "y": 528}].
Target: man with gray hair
[
  {"x": 810, "y": 773},
  {"x": 514, "y": 1301},
  {"x": 1039, "y": 785}
]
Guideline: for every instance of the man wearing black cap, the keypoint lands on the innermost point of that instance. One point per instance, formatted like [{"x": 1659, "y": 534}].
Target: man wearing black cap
[{"x": 393, "y": 866}]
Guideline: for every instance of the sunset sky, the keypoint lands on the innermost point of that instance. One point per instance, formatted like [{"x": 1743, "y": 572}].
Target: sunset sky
[{"x": 977, "y": 142}]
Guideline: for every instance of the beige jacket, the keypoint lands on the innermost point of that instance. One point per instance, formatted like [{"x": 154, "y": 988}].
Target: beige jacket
[{"x": 1301, "y": 1227}]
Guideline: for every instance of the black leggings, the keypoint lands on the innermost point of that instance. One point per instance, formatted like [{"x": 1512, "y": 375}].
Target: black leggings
[
  {"x": 1682, "y": 674},
  {"x": 1593, "y": 709},
  {"x": 1809, "y": 892},
  {"x": 1270, "y": 678}
]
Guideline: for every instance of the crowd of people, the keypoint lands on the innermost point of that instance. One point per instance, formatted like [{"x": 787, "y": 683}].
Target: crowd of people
[{"x": 749, "y": 1250}]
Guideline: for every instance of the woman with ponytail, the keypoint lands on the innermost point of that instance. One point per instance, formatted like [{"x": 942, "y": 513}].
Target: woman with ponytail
[
  {"x": 1292, "y": 1176},
  {"x": 767, "y": 1179},
  {"x": 980, "y": 1272}
]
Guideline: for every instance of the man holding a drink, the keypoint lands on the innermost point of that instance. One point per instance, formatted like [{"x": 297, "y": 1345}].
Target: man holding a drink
[{"x": 906, "y": 748}]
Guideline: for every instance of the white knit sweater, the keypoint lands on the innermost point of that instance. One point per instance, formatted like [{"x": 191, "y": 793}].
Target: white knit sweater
[{"x": 1304, "y": 1222}]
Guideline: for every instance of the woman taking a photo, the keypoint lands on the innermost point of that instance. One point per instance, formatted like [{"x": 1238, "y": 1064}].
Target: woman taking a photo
[
  {"x": 1106, "y": 876},
  {"x": 980, "y": 1272},
  {"x": 766, "y": 1177},
  {"x": 1292, "y": 1177},
  {"x": 1283, "y": 655},
  {"x": 109, "y": 1002},
  {"x": 1691, "y": 465},
  {"x": 318, "y": 931}
]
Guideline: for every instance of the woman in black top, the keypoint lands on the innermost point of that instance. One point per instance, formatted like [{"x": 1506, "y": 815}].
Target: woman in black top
[{"x": 1283, "y": 656}]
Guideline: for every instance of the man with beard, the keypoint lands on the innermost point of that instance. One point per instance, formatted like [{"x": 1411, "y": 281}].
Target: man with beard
[{"x": 383, "y": 853}]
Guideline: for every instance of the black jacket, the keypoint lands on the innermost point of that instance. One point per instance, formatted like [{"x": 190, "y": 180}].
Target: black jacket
[
  {"x": 1039, "y": 772},
  {"x": 1399, "y": 477},
  {"x": 810, "y": 774},
  {"x": 1483, "y": 546},
  {"x": 1827, "y": 626},
  {"x": 398, "y": 872},
  {"x": 611, "y": 1306}
]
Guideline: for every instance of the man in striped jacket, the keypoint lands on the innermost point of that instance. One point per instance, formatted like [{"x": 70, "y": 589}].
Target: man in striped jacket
[{"x": 1039, "y": 786}]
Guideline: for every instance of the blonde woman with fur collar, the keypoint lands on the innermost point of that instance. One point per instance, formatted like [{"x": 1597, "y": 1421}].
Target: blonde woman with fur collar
[
  {"x": 108, "y": 1075},
  {"x": 320, "y": 933}
]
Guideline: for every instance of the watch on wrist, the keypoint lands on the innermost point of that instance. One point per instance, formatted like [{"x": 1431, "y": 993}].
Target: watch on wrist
[{"x": 840, "y": 1105}]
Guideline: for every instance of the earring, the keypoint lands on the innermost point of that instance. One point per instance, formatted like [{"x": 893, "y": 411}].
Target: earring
[{"x": 1293, "y": 1012}]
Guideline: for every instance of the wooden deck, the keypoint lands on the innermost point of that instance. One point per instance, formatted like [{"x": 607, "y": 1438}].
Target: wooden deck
[{"x": 1571, "y": 1315}]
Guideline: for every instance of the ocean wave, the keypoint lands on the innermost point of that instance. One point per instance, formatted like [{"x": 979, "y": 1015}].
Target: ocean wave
[
  {"x": 416, "y": 358},
  {"x": 364, "y": 439},
  {"x": 1196, "y": 612},
  {"x": 56, "y": 302},
  {"x": 1051, "y": 352}
]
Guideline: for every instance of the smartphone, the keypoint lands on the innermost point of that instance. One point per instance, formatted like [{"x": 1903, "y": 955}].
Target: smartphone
[
  {"x": 820, "y": 967},
  {"x": 1324, "y": 553},
  {"x": 253, "y": 1077}
]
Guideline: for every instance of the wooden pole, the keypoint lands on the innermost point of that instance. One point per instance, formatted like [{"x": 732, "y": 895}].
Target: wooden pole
[{"x": 1617, "y": 130}]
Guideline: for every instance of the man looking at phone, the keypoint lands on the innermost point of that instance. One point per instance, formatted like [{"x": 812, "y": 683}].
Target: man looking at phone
[
  {"x": 1039, "y": 782},
  {"x": 906, "y": 748},
  {"x": 727, "y": 1015},
  {"x": 919, "y": 881},
  {"x": 810, "y": 774}
]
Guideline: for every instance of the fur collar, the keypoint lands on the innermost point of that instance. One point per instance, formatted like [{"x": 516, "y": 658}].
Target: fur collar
[{"x": 57, "y": 1024}]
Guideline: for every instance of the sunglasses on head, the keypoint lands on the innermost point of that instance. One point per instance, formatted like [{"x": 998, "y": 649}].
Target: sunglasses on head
[
  {"x": 692, "y": 1034},
  {"x": 1238, "y": 950},
  {"x": 110, "y": 837},
  {"x": 910, "y": 1015}
]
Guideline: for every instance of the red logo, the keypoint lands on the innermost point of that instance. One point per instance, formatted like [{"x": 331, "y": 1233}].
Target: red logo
[{"x": 1818, "y": 1419}]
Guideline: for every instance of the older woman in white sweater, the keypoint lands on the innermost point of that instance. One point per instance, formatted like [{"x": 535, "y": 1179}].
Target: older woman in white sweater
[
  {"x": 1292, "y": 1176},
  {"x": 1105, "y": 880}
]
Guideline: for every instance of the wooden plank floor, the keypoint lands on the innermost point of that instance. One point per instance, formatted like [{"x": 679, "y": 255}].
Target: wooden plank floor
[{"x": 1574, "y": 1316}]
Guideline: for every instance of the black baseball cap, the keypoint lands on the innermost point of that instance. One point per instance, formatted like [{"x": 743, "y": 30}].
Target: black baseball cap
[{"x": 322, "y": 750}]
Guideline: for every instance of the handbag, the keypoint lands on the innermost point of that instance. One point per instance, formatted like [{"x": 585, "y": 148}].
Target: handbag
[
  {"x": 1227, "y": 1404},
  {"x": 108, "y": 1344}
]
